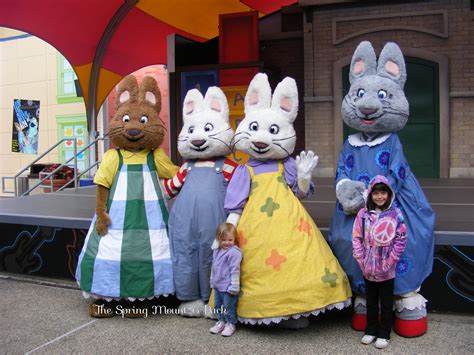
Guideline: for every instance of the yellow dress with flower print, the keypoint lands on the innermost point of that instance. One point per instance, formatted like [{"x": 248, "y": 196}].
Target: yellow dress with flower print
[{"x": 287, "y": 267}]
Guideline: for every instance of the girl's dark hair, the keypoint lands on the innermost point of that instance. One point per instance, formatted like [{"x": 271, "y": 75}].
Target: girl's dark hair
[{"x": 379, "y": 187}]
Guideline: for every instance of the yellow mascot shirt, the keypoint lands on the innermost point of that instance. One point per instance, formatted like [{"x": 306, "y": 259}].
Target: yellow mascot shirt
[{"x": 110, "y": 162}]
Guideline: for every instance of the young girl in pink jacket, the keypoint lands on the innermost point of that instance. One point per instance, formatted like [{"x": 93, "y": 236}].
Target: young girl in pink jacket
[{"x": 378, "y": 241}]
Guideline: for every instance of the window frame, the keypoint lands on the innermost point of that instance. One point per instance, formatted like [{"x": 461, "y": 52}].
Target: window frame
[{"x": 62, "y": 97}]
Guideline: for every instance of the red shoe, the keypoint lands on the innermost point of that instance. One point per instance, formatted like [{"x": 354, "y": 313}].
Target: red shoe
[
  {"x": 410, "y": 328},
  {"x": 359, "y": 321}
]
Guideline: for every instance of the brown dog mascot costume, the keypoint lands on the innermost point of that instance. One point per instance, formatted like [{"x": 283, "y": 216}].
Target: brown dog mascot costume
[{"x": 126, "y": 259}]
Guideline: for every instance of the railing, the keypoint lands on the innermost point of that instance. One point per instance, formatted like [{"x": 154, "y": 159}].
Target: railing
[{"x": 50, "y": 175}]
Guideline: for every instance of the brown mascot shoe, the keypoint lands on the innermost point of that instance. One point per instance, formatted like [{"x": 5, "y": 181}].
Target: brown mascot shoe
[{"x": 102, "y": 309}]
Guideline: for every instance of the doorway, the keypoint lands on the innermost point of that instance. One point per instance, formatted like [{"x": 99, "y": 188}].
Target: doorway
[{"x": 421, "y": 135}]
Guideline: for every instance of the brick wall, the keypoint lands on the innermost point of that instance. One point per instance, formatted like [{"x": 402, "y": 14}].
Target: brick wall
[
  {"x": 321, "y": 52},
  {"x": 462, "y": 137}
]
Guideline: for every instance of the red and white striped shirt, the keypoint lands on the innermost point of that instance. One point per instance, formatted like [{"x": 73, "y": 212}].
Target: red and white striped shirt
[{"x": 173, "y": 185}]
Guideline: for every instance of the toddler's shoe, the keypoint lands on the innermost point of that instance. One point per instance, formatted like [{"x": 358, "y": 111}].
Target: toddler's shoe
[
  {"x": 367, "y": 339},
  {"x": 218, "y": 327},
  {"x": 381, "y": 343},
  {"x": 229, "y": 329}
]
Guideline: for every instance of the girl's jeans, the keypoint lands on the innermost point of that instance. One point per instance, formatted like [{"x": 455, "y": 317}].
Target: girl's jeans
[{"x": 226, "y": 306}]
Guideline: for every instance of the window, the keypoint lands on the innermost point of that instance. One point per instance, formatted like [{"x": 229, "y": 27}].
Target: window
[
  {"x": 73, "y": 126},
  {"x": 66, "y": 86}
]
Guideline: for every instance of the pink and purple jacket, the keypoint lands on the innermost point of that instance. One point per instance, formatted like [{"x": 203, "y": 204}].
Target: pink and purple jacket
[{"x": 380, "y": 245}]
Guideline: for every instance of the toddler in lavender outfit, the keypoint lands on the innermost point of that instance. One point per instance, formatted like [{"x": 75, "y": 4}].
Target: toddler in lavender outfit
[{"x": 225, "y": 279}]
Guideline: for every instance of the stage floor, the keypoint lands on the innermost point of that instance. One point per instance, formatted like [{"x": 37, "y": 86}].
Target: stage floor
[
  {"x": 452, "y": 200},
  {"x": 71, "y": 208}
]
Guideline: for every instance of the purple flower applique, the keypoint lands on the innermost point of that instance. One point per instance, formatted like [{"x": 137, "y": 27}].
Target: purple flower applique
[
  {"x": 403, "y": 266},
  {"x": 382, "y": 158},
  {"x": 361, "y": 288},
  {"x": 396, "y": 203},
  {"x": 363, "y": 177},
  {"x": 349, "y": 162},
  {"x": 400, "y": 171}
]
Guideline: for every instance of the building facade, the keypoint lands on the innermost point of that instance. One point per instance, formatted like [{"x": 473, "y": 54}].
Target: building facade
[
  {"x": 436, "y": 39},
  {"x": 31, "y": 69}
]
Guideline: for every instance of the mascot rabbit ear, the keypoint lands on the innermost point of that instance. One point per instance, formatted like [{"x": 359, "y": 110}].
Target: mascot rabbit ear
[
  {"x": 392, "y": 64},
  {"x": 216, "y": 101},
  {"x": 285, "y": 99},
  {"x": 150, "y": 94},
  {"x": 364, "y": 61},
  {"x": 127, "y": 91},
  {"x": 259, "y": 94},
  {"x": 193, "y": 103}
]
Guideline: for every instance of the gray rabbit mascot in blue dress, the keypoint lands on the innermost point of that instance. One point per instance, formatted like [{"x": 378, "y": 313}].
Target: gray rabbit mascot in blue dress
[{"x": 376, "y": 106}]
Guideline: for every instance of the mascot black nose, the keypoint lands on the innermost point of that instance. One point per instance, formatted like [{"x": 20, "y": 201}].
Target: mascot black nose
[
  {"x": 198, "y": 143},
  {"x": 134, "y": 132},
  {"x": 367, "y": 111},
  {"x": 260, "y": 145}
]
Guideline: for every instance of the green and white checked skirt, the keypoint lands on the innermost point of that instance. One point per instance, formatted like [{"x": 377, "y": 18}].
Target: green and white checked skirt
[{"x": 133, "y": 259}]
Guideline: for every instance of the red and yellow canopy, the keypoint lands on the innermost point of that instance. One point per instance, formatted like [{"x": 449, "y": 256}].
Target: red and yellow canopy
[{"x": 106, "y": 40}]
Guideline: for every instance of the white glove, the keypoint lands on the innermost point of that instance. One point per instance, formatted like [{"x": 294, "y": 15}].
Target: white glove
[
  {"x": 233, "y": 218},
  {"x": 305, "y": 164}
]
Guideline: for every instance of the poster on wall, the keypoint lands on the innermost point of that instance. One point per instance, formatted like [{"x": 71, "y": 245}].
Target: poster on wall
[{"x": 25, "y": 126}]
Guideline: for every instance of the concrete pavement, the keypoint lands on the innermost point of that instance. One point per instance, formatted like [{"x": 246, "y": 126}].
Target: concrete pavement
[{"x": 50, "y": 316}]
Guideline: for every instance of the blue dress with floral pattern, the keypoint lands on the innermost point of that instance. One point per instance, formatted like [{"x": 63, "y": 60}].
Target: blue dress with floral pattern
[{"x": 362, "y": 163}]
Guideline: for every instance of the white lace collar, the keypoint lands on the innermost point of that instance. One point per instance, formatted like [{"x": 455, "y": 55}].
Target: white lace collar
[{"x": 356, "y": 140}]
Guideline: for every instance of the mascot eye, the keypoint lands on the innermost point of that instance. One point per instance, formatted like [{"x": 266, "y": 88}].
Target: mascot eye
[
  {"x": 253, "y": 126},
  {"x": 274, "y": 129},
  {"x": 143, "y": 119},
  {"x": 126, "y": 118},
  {"x": 360, "y": 92},
  {"x": 382, "y": 94},
  {"x": 191, "y": 129},
  {"x": 208, "y": 127}
]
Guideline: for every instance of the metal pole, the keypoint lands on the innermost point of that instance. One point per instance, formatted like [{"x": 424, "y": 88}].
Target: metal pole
[
  {"x": 109, "y": 31},
  {"x": 75, "y": 163}
]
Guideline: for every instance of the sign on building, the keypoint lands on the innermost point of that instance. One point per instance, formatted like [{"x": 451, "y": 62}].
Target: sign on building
[{"x": 25, "y": 126}]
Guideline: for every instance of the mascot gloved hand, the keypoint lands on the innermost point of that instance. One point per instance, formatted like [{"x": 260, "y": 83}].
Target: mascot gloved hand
[
  {"x": 200, "y": 187},
  {"x": 305, "y": 164},
  {"x": 376, "y": 106},
  {"x": 288, "y": 271},
  {"x": 351, "y": 195},
  {"x": 128, "y": 235}
]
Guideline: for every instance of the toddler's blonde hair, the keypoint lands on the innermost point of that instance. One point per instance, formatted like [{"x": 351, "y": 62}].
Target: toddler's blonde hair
[{"x": 227, "y": 229}]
